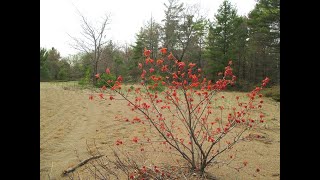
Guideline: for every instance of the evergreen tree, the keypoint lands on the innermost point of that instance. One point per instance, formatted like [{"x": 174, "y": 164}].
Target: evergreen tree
[
  {"x": 173, "y": 13},
  {"x": 220, "y": 38},
  {"x": 44, "y": 72},
  {"x": 264, "y": 43}
]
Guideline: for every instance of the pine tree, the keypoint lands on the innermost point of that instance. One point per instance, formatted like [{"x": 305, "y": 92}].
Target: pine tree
[
  {"x": 220, "y": 38},
  {"x": 173, "y": 14},
  {"x": 264, "y": 29}
]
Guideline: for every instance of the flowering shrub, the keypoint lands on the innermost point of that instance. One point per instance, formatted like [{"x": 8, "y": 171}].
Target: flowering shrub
[
  {"x": 182, "y": 114},
  {"x": 105, "y": 79}
]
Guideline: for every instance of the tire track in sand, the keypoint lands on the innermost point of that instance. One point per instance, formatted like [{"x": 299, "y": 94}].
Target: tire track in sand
[{"x": 73, "y": 120}]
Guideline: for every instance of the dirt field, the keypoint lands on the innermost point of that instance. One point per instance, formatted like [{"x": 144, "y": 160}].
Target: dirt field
[{"x": 69, "y": 120}]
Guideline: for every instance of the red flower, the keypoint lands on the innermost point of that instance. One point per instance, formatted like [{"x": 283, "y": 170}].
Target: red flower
[
  {"x": 265, "y": 81},
  {"x": 135, "y": 139},
  {"x": 194, "y": 78},
  {"x": 210, "y": 139},
  {"x": 164, "y": 68},
  {"x": 146, "y": 52},
  {"x": 228, "y": 71},
  {"x": 191, "y": 65},
  {"x": 230, "y": 63},
  {"x": 108, "y": 71},
  {"x": 97, "y": 75},
  {"x": 111, "y": 97},
  {"x": 234, "y": 78},
  {"x": 156, "y": 170},
  {"x": 159, "y": 61},
  {"x": 101, "y": 95},
  {"x": 104, "y": 88},
  {"x": 245, "y": 163},
  {"x": 120, "y": 78},
  {"x": 151, "y": 70},
  {"x": 91, "y": 97},
  {"x": 163, "y": 50},
  {"x": 140, "y": 66},
  {"x": 118, "y": 142},
  {"x": 143, "y": 73},
  {"x": 181, "y": 65},
  {"x": 170, "y": 57},
  {"x": 174, "y": 76}
]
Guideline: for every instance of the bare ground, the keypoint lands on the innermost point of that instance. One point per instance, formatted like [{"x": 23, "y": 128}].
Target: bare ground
[{"x": 69, "y": 121}]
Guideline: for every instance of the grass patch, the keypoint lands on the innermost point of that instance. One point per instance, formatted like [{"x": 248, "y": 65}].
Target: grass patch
[{"x": 273, "y": 92}]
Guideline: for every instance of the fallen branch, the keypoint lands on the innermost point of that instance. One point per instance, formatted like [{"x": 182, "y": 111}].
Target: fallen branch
[{"x": 65, "y": 172}]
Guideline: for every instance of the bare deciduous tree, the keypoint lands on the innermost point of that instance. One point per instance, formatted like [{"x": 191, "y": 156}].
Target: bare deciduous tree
[
  {"x": 92, "y": 41},
  {"x": 190, "y": 27}
]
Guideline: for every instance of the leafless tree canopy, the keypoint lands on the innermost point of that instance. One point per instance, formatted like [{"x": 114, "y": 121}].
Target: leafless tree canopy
[{"x": 92, "y": 39}]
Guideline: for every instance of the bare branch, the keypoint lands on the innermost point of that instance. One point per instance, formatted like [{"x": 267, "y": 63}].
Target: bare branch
[{"x": 92, "y": 40}]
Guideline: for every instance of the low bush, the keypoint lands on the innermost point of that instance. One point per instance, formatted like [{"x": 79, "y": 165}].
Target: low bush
[
  {"x": 104, "y": 78},
  {"x": 273, "y": 92}
]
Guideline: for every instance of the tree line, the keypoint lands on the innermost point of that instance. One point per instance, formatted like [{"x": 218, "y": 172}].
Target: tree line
[{"x": 252, "y": 42}]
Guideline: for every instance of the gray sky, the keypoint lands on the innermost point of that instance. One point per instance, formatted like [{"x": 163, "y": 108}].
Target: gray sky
[{"x": 59, "y": 17}]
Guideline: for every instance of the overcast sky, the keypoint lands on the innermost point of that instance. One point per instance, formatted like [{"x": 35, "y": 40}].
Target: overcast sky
[{"x": 58, "y": 18}]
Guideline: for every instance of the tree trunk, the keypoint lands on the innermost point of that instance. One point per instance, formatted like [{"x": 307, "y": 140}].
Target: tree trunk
[
  {"x": 95, "y": 71},
  {"x": 200, "y": 56},
  {"x": 203, "y": 166},
  {"x": 244, "y": 69},
  {"x": 239, "y": 66}
]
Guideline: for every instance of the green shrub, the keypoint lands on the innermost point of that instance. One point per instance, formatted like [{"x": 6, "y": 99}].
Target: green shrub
[
  {"x": 44, "y": 74},
  {"x": 273, "y": 92},
  {"x": 63, "y": 75},
  {"x": 86, "y": 79},
  {"x": 104, "y": 78}
]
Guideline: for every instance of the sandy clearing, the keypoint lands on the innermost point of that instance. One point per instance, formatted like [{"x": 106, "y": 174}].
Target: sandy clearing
[{"x": 68, "y": 120}]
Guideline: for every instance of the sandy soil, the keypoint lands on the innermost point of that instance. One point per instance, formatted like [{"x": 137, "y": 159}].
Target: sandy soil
[{"x": 69, "y": 121}]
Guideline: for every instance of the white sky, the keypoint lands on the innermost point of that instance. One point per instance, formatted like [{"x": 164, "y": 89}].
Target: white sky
[{"x": 59, "y": 17}]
